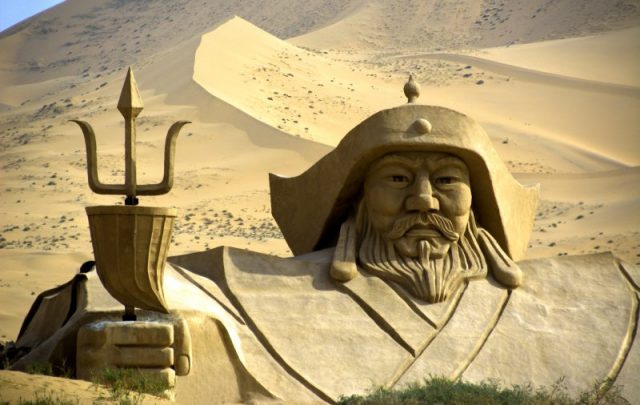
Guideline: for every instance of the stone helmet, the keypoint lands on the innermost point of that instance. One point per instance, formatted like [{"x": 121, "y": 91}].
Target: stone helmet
[{"x": 311, "y": 207}]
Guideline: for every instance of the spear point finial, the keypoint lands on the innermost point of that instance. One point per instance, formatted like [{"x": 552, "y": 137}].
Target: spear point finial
[{"x": 130, "y": 102}]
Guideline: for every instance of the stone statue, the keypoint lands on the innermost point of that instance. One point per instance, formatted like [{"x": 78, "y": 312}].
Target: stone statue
[{"x": 408, "y": 240}]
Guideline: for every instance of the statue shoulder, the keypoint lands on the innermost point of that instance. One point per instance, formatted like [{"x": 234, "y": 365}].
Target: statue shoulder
[
  {"x": 205, "y": 263},
  {"x": 215, "y": 263},
  {"x": 582, "y": 269},
  {"x": 632, "y": 272},
  {"x": 566, "y": 302}
]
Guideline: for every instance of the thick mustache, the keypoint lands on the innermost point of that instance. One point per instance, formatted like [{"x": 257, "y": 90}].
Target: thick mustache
[{"x": 436, "y": 221}]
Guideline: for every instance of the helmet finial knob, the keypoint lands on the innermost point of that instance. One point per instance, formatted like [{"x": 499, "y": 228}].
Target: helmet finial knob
[{"x": 411, "y": 89}]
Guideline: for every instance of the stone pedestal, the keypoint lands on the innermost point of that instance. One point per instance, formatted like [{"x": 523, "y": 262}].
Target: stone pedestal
[{"x": 146, "y": 346}]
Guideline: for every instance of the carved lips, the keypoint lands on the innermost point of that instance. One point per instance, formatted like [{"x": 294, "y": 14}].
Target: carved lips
[
  {"x": 423, "y": 226},
  {"x": 424, "y": 232}
]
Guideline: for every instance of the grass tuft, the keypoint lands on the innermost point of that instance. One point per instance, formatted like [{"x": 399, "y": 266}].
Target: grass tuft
[
  {"x": 49, "y": 369},
  {"x": 441, "y": 391},
  {"x": 126, "y": 385},
  {"x": 40, "y": 368},
  {"x": 47, "y": 398}
]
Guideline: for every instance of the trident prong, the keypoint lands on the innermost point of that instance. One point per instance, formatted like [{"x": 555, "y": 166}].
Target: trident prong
[{"x": 130, "y": 105}]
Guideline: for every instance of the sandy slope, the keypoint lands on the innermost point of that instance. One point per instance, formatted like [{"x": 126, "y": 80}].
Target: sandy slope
[
  {"x": 93, "y": 36},
  {"x": 21, "y": 387},
  {"x": 305, "y": 94},
  {"x": 80, "y": 37},
  {"x": 588, "y": 58},
  {"x": 395, "y": 26},
  {"x": 261, "y": 104},
  {"x": 588, "y": 212}
]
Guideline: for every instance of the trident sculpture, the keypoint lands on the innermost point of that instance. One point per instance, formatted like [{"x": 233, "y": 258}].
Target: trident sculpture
[
  {"x": 130, "y": 106},
  {"x": 131, "y": 242}
]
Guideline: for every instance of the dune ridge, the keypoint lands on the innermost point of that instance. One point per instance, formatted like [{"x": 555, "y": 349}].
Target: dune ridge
[
  {"x": 427, "y": 25},
  {"x": 77, "y": 31},
  {"x": 582, "y": 57},
  {"x": 536, "y": 76},
  {"x": 302, "y": 93}
]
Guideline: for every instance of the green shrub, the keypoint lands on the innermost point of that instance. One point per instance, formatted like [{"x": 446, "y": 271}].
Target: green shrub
[
  {"x": 47, "y": 398},
  {"x": 439, "y": 390},
  {"x": 40, "y": 368},
  {"x": 49, "y": 369},
  {"x": 127, "y": 384}
]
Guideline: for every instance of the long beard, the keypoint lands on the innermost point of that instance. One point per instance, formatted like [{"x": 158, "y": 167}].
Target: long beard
[{"x": 425, "y": 277}]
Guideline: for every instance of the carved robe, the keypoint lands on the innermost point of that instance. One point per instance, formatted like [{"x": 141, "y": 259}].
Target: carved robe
[{"x": 263, "y": 326}]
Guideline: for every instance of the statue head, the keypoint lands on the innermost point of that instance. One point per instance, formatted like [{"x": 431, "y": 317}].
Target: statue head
[
  {"x": 413, "y": 197},
  {"x": 413, "y": 194},
  {"x": 413, "y": 226}
]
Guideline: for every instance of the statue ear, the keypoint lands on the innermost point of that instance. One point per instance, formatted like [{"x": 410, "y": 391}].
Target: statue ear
[
  {"x": 503, "y": 268},
  {"x": 343, "y": 266}
]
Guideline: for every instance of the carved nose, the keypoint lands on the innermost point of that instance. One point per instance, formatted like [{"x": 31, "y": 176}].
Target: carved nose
[{"x": 423, "y": 199}]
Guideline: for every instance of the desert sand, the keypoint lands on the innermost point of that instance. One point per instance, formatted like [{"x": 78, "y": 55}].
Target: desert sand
[{"x": 272, "y": 89}]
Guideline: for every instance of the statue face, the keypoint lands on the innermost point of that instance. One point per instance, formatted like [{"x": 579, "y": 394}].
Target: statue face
[{"x": 419, "y": 196}]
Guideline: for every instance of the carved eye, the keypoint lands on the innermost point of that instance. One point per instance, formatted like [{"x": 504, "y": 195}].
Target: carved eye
[
  {"x": 444, "y": 180},
  {"x": 399, "y": 179}
]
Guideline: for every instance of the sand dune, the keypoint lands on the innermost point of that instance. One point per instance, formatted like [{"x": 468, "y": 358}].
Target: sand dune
[
  {"x": 590, "y": 212},
  {"x": 260, "y": 103},
  {"x": 599, "y": 118},
  {"x": 89, "y": 36},
  {"x": 587, "y": 58},
  {"x": 537, "y": 76},
  {"x": 21, "y": 387},
  {"x": 397, "y": 26},
  {"x": 92, "y": 37},
  {"x": 297, "y": 91}
]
